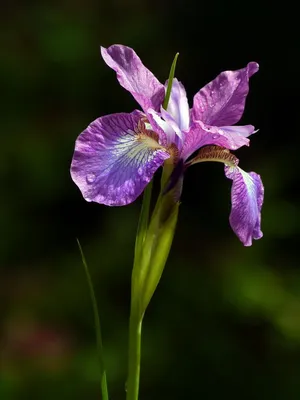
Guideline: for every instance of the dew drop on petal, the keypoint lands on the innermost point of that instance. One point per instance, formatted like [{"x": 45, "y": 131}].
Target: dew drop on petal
[
  {"x": 90, "y": 178},
  {"x": 140, "y": 171},
  {"x": 215, "y": 136}
]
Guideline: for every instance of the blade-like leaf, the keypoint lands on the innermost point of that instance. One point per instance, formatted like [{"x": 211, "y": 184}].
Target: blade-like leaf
[
  {"x": 170, "y": 82},
  {"x": 143, "y": 223},
  {"x": 103, "y": 380}
]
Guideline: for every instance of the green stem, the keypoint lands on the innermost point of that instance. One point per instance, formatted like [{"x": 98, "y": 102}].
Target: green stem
[
  {"x": 135, "y": 333},
  {"x": 135, "y": 323}
]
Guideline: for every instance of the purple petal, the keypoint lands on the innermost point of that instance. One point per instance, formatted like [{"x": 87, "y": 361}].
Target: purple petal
[
  {"x": 178, "y": 106},
  {"x": 247, "y": 196},
  {"x": 166, "y": 128},
  {"x": 179, "y": 135},
  {"x": 244, "y": 130},
  {"x": 115, "y": 159},
  {"x": 134, "y": 76},
  {"x": 201, "y": 134},
  {"x": 163, "y": 129},
  {"x": 222, "y": 101}
]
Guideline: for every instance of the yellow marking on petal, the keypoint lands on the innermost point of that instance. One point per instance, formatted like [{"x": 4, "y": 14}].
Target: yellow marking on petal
[
  {"x": 150, "y": 140},
  {"x": 215, "y": 153},
  {"x": 147, "y": 136}
]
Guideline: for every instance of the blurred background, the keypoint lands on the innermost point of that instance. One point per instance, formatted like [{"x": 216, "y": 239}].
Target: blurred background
[{"x": 225, "y": 319}]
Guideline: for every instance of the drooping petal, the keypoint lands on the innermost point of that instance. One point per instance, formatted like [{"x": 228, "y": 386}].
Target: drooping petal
[
  {"x": 247, "y": 196},
  {"x": 115, "y": 158},
  {"x": 201, "y": 134},
  {"x": 178, "y": 106},
  {"x": 134, "y": 76},
  {"x": 222, "y": 101}
]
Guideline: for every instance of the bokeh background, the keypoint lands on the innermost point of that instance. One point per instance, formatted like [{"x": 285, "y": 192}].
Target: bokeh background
[{"x": 225, "y": 320}]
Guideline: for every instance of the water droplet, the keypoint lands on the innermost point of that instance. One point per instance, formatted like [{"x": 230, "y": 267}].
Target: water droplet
[
  {"x": 90, "y": 178},
  {"x": 215, "y": 136},
  {"x": 208, "y": 129},
  {"x": 140, "y": 171}
]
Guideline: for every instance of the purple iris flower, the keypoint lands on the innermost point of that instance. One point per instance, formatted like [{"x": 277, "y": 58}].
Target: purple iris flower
[{"x": 117, "y": 155}]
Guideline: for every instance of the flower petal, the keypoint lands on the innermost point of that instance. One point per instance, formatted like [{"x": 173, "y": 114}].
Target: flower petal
[
  {"x": 166, "y": 127},
  {"x": 201, "y": 134},
  {"x": 179, "y": 134},
  {"x": 178, "y": 106},
  {"x": 115, "y": 158},
  {"x": 164, "y": 130},
  {"x": 222, "y": 101},
  {"x": 247, "y": 196},
  {"x": 134, "y": 76},
  {"x": 244, "y": 130}
]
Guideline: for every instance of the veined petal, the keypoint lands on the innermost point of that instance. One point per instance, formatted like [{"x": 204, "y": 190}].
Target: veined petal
[
  {"x": 166, "y": 127},
  {"x": 247, "y": 196},
  {"x": 164, "y": 130},
  {"x": 222, "y": 101},
  {"x": 179, "y": 134},
  {"x": 134, "y": 76},
  {"x": 201, "y": 134},
  {"x": 115, "y": 158},
  {"x": 178, "y": 106}
]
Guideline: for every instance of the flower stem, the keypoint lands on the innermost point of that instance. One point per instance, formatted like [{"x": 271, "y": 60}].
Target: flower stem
[{"x": 135, "y": 333}]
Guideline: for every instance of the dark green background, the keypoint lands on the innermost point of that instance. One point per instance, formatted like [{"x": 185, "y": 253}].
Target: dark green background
[{"x": 225, "y": 320}]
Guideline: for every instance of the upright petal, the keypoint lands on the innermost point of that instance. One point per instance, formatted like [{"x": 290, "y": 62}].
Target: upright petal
[
  {"x": 222, "y": 101},
  {"x": 115, "y": 158},
  {"x": 134, "y": 76},
  {"x": 166, "y": 127},
  {"x": 247, "y": 196},
  {"x": 178, "y": 105},
  {"x": 201, "y": 134}
]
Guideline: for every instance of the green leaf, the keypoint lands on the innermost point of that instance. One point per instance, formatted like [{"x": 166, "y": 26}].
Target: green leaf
[
  {"x": 103, "y": 381},
  {"x": 157, "y": 245},
  {"x": 143, "y": 223},
  {"x": 170, "y": 82}
]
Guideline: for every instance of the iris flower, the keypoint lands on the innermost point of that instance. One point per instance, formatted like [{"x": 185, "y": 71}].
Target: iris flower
[{"x": 117, "y": 155}]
